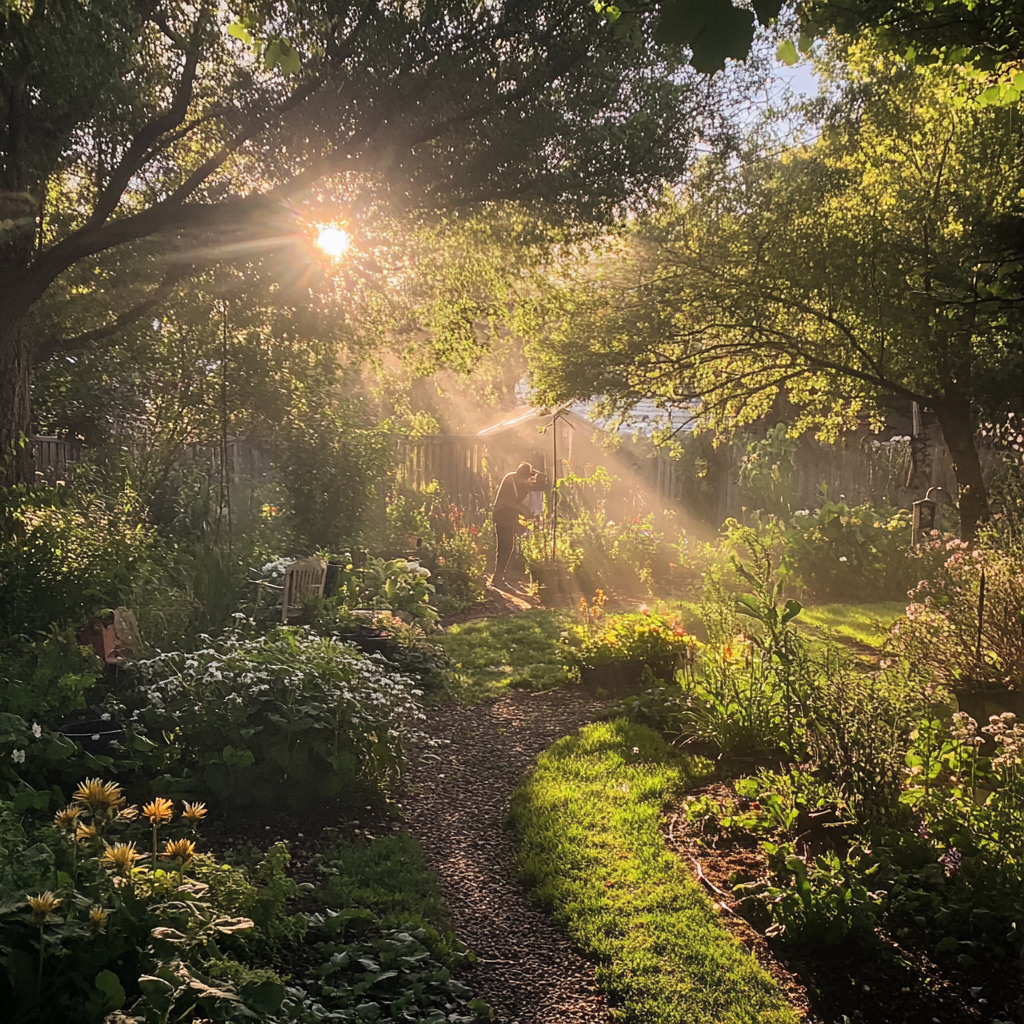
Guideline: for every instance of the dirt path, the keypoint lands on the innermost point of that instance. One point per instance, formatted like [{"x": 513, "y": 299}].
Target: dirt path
[{"x": 457, "y": 807}]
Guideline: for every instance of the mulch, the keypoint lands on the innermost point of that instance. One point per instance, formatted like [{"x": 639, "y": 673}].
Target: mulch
[{"x": 457, "y": 807}]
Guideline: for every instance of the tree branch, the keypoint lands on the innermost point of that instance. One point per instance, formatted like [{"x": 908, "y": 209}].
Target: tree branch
[
  {"x": 160, "y": 294},
  {"x": 143, "y": 142}
]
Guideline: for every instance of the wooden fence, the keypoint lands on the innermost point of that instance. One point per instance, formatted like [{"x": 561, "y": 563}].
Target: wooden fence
[{"x": 53, "y": 456}]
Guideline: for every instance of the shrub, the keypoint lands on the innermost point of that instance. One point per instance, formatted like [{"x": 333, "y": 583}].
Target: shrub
[
  {"x": 287, "y": 719},
  {"x": 948, "y": 627},
  {"x": 136, "y": 914},
  {"x": 395, "y": 585},
  {"x": 46, "y": 678},
  {"x": 65, "y": 554},
  {"x": 861, "y": 553},
  {"x": 642, "y": 637}
]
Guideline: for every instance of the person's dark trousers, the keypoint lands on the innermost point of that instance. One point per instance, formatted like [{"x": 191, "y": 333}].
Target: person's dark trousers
[{"x": 505, "y": 536}]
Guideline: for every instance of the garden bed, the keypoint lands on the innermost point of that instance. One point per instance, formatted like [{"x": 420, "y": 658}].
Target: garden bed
[{"x": 894, "y": 980}]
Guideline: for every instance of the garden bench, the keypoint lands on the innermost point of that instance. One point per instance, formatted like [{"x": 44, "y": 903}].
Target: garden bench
[{"x": 303, "y": 581}]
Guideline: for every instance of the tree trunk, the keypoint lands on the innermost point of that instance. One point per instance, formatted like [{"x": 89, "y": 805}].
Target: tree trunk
[
  {"x": 954, "y": 416},
  {"x": 16, "y": 465}
]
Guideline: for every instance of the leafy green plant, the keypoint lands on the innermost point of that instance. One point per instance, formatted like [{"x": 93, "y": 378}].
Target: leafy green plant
[
  {"x": 767, "y": 470},
  {"x": 825, "y": 899},
  {"x": 540, "y": 552},
  {"x": 398, "y": 585},
  {"x": 111, "y": 926},
  {"x": 66, "y": 553},
  {"x": 46, "y": 678},
  {"x": 842, "y": 552}
]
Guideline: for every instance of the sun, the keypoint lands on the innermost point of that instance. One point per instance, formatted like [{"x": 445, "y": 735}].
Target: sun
[{"x": 334, "y": 241}]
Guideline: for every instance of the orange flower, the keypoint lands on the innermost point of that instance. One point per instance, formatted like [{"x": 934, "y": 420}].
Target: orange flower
[
  {"x": 85, "y": 833},
  {"x": 67, "y": 817},
  {"x": 43, "y": 906},
  {"x": 160, "y": 811}
]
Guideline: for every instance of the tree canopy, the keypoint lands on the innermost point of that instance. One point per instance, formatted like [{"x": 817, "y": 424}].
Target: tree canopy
[
  {"x": 880, "y": 261},
  {"x": 205, "y": 132}
]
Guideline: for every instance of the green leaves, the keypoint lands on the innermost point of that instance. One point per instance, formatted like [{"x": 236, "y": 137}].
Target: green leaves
[
  {"x": 239, "y": 31},
  {"x": 714, "y": 30},
  {"x": 787, "y": 53},
  {"x": 276, "y": 51},
  {"x": 791, "y": 610},
  {"x": 280, "y": 53}
]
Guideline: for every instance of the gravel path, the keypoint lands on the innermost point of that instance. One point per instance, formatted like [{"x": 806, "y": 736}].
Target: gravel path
[{"x": 457, "y": 805}]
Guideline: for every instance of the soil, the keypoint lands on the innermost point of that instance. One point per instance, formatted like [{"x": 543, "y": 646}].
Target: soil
[
  {"x": 896, "y": 982},
  {"x": 457, "y": 807}
]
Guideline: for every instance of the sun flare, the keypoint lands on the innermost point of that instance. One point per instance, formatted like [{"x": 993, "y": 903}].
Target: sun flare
[{"x": 334, "y": 241}]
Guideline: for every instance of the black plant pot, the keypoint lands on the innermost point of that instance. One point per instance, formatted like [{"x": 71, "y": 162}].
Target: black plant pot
[
  {"x": 624, "y": 677},
  {"x": 552, "y": 584},
  {"x": 369, "y": 642}
]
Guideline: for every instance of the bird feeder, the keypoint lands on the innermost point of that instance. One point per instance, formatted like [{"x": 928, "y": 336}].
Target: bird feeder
[{"x": 923, "y": 520}]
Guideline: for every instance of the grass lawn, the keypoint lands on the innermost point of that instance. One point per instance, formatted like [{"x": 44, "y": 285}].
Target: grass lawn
[
  {"x": 510, "y": 650},
  {"x": 865, "y": 623},
  {"x": 592, "y": 850}
]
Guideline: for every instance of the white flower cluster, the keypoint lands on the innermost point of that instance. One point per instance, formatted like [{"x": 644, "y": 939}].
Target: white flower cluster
[
  {"x": 240, "y": 670},
  {"x": 1008, "y": 734}
]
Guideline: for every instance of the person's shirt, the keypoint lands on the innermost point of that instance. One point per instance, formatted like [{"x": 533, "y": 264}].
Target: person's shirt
[{"x": 512, "y": 491}]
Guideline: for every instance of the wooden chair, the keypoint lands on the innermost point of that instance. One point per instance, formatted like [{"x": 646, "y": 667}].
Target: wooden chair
[{"x": 303, "y": 581}]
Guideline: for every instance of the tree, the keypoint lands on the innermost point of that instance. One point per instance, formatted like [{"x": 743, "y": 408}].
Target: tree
[
  {"x": 183, "y": 134},
  {"x": 873, "y": 263},
  {"x": 985, "y": 35}
]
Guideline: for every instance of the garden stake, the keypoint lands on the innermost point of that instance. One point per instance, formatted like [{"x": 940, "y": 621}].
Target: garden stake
[{"x": 981, "y": 619}]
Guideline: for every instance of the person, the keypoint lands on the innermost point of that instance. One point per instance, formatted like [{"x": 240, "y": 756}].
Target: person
[{"x": 509, "y": 505}]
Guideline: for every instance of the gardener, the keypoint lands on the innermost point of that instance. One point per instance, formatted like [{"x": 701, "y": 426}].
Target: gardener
[{"x": 509, "y": 505}]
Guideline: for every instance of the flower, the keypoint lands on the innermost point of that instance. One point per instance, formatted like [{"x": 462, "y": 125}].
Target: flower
[
  {"x": 37, "y": 730},
  {"x": 85, "y": 833},
  {"x": 128, "y": 813},
  {"x": 121, "y": 857},
  {"x": 100, "y": 797},
  {"x": 951, "y": 860},
  {"x": 18, "y": 756},
  {"x": 98, "y": 918},
  {"x": 194, "y": 812},
  {"x": 67, "y": 817},
  {"x": 180, "y": 849},
  {"x": 43, "y": 906},
  {"x": 160, "y": 811}
]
